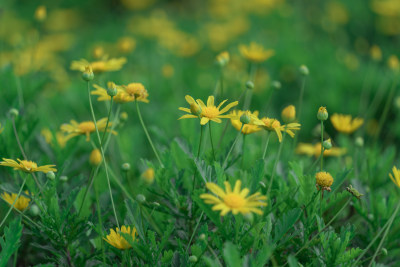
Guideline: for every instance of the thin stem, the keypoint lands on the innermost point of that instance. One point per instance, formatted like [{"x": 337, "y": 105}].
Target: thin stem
[
  {"x": 100, "y": 222},
  {"x": 108, "y": 120},
  {"x": 266, "y": 145},
  {"x": 233, "y": 145},
  {"x": 303, "y": 85},
  {"x": 221, "y": 82},
  {"x": 102, "y": 154},
  {"x": 384, "y": 235},
  {"x": 223, "y": 134},
  {"x": 243, "y": 150},
  {"x": 194, "y": 231},
  {"x": 198, "y": 154},
  {"x": 276, "y": 163},
  {"x": 211, "y": 140},
  {"x": 22, "y": 214},
  {"x": 322, "y": 146},
  {"x": 15, "y": 201},
  {"x": 147, "y": 134}
]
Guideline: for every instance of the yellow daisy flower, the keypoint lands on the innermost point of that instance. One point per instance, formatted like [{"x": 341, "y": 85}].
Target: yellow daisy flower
[
  {"x": 27, "y": 166},
  {"x": 115, "y": 239},
  {"x": 84, "y": 128},
  {"x": 21, "y": 203},
  {"x": 235, "y": 201},
  {"x": 324, "y": 180},
  {"x": 315, "y": 150},
  {"x": 138, "y": 91},
  {"x": 207, "y": 112},
  {"x": 345, "y": 123},
  {"x": 120, "y": 97},
  {"x": 275, "y": 125},
  {"x": 104, "y": 65},
  {"x": 248, "y": 128},
  {"x": 255, "y": 52},
  {"x": 396, "y": 178}
]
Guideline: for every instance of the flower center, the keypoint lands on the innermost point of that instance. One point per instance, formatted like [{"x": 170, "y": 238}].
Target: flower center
[
  {"x": 234, "y": 201},
  {"x": 87, "y": 126},
  {"x": 210, "y": 112},
  {"x": 28, "y": 165}
]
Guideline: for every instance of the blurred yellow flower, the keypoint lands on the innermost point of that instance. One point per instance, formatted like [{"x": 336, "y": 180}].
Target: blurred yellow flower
[
  {"x": 396, "y": 178},
  {"x": 104, "y": 65},
  {"x": 248, "y": 128},
  {"x": 324, "y": 180},
  {"x": 98, "y": 52},
  {"x": 345, "y": 123},
  {"x": 84, "y": 128},
  {"x": 148, "y": 175},
  {"x": 223, "y": 58},
  {"x": 233, "y": 201},
  {"x": 126, "y": 45},
  {"x": 288, "y": 114},
  {"x": 207, "y": 112},
  {"x": 115, "y": 239},
  {"x": 95, "y": 157},
  {"x": 255, "y": 52},
  {"x": 1, "y": 128},
  {"x": 121, "y": 97},
  {"x": 275, "y": 125},
  {"x": 27, "y": 166},
  {"x": 376, "y": 53},
  {"x": 21, "y": 203},
  {"x": 40, "y": 13},
  {"x": 393, "y": 63},
  {"x": 168, "y": 71},
  {"x": 138, "y": 91},
  {"x": 315, "y": 150}
]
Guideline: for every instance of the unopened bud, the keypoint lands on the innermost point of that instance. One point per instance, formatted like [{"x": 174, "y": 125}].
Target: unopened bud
[
  {"x": 112, "y": 89},
  {"x": 64, "y": 178},
  {"x": 304, "y": 70},
  {"x": 327, "y": 144},
  {"x": 249, "y": 85},
  {"x": 140, "y": 198},
  {"x": 13, "y": 112},
  {"x": 276, "y": 85},
  {"x": 34, "y": 210},
  {"x": 288, "y": 114},
  {"x": 223, "y": 59},
  {"x": 202, "y": 237},
  {"x": 322, "y": 114},
  {"x": 124, "y": 116},
  {"x": 50, "y": 175},
  {"x": 245, "y": 118},
  {"x": 195, "y": 109},
  {"x": 95, "y": 157},
  {"x": 359, "y": 141},
  {"x": 126, "y": 167},
  {"x": 148, "y": 175},
  {"x": 88, "y": 75},
  {"x": 193, "y": 258}
]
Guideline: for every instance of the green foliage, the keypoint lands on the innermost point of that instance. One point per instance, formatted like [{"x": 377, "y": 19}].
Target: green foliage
[{"x": 11, "y": 241}]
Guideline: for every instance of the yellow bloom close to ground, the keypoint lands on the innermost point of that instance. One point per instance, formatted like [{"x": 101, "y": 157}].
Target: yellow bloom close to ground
[
  {"x": 104, "y": 65},
  {"x": 126, "y": 45},
  {"x": 275, "y": 125},
  {"x": 120, "y": 97},
  {"x": 207, "y": 112},
  {"x": 95, "y": 157},
  {"x": 324, "y": 180},
  {"x": 27, "y": 166},
  {"x": 84, "y": 128},
  {"x": 21, "y": 203},
  {"x": 248, "y": 128},
  {"x": 345, "y": 123},
  {"x": 233, "y": 201},
  {"x": 255, "y": 52},
  {"x": 395, "y": 177},
  {"x": 315, "y": 150},
  {"x": 115, "y": 239}
]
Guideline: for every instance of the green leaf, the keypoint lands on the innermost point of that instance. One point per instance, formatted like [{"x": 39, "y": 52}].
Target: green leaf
[
  {"x": 11, "y": 241},
  {"x": 231, "y": 255},
  {"x": 214, "y": 216},
  {"x": 285, "y": 223},
  {"x": 135, "y": 216}
]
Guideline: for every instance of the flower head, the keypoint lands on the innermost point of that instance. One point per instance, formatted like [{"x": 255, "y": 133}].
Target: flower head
[
  {"x": 84, "y": 128},
  {"x": 248, "y": 128},
  {"x": 104, "y": 65},
  {"x": 322, "y": 114},
  {"x": 324, "y": 180},
  {"x": 138, "y": 91},
  {"x": 345, "y": 123},
  {"x": 27, "y": 166},
  {"x": 275, "y": 125},
  {"x": 208, "y": 112},
  {"x": 223, "y": 58},
  {"x": 115, "y": 239},
  {"x": 148, "y": 175},
  {"x": 288, "y": 114},
  {"x": 255, "y": 52},
  {"x": 315, "y": 150},
  {"x": 95, "y": 157},
  {"x": 235, "y": 201},
  {"x": 396, "y": 178},
  {"x": 121, "y": 97},
  {"x": 20, "y": 204}
]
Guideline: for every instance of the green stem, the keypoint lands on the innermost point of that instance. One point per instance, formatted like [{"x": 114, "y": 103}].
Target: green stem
[
  {"x": 194, "y": 231},
  {"x": 12, "y": 206},
  {"x": 223, "y": 134},
  {"x": 385, "y": 234},
  {"x": 100, "y": 223},
  {"x": 108, "y": 120},
  {"x": 211, "y": 140},
  {"x": 23, "y": 215},
  {"x": 303, "y": 85},
  {"x": 233, "y": 145},
  {"x": 102, "y": 154},
  {"x": 276, "y": 163},
  {"x": 243, "y": 150},
  {"x": 322, "y": 146},
  {"x": 266, "y": 145},
  {"x": 198, "y": 154},
  {"x": 147, "y": 134},
  {"x": 221, "y": 82}
]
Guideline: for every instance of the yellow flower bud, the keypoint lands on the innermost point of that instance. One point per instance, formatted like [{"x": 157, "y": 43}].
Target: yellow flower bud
[
  {"x": 393, "y": 63},
  {"x": 223, "y": 58},
  {"x": 324, "y": 179},
  {"x": 95, "y": 157},
  {"x": 304, "y": 70},
  {"x": 322, "y": 114},
  {"x": 40, "y": 13},
  {"x": 195, "y": 109},
  {"x": 289, "y": 114},
  {"x": 88, "y": 75},
  {"x": 245, "y": 118},
  {"x": 148, "y": 175},
  {"x": 376, "y": 53}
]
